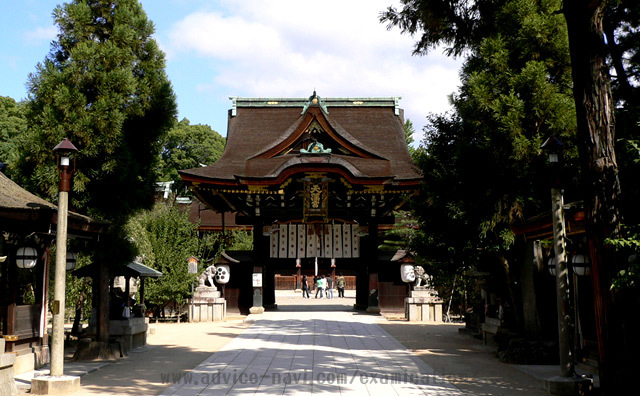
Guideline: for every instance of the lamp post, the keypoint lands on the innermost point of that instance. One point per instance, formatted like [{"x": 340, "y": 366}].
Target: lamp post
[
  {"x": 63, "y": 151},
  {"x": 553, "y": 147}
]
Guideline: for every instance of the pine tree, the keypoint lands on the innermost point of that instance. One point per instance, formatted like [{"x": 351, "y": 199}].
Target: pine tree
[{"x": 104, "y": 87}]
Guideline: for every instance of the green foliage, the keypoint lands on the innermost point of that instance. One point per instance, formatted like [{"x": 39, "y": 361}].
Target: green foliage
[
  {"x": 104, "y": 87},
  {"x": 627, "y": 277},
  {"x": 408, "y": 135},
  {"x": 165, "y": 240},
  {"x": 13, "y": 125},
  {"x": 628, "y": 244},
  {"x": 240, "y": 240},
  {"x": 188, "y": 146},
  {"x": 79, "y": 291},
  {"x": 457, "y": 24},
  {"x": 482, "y": 164},
  {"x": 402, "y": 235}
]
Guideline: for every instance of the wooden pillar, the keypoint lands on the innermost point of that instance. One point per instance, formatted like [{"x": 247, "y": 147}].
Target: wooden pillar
[
  {"x": 268, "y": 286},
  {"x": 45, "y": 295},
  {"x": 142, "y": 290},
  {"x": 103, "y": 300},
  {"x": 127, "y": 290},
  {"x": 13, "y": 297}
]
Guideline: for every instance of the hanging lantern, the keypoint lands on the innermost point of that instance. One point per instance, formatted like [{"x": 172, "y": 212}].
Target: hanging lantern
[
  {"x": 581, "y": 264},
  {"x": 26, "y": 257},
  {"x": 223, "y": 273},
  {"x": 71, "y": 261},
  {"x": 551, "y": 265},
  {"x": 407, "y": 273}
]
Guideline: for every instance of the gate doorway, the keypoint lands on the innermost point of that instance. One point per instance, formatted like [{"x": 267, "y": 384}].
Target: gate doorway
[{"x": 289, "y": 288}]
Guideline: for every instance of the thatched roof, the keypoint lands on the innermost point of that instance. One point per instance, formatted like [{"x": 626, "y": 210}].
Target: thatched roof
[{"x": 21, "y": 210}]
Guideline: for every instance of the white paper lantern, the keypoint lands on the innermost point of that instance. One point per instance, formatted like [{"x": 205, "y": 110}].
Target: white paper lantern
[
  {"x": 581, "y": 264},
  {"x": 71, "y": 261},
  {"x": 407, "y": 274},
  {"x": 26, "y": 257},
  {"x": 223, "y": 273},
  {"x": 552, "y": 265}
]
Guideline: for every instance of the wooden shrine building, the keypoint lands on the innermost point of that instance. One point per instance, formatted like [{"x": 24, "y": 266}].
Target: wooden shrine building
[
  {"x": 27, "y": 221},
  {"x": 316, "y": 178}
]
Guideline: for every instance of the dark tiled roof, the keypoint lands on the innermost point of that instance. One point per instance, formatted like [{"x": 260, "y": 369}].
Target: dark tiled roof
[{"x": 376, "y": 130}]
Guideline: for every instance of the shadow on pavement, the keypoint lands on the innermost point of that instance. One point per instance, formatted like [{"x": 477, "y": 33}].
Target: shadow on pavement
[{"x": 463, "y": 360}]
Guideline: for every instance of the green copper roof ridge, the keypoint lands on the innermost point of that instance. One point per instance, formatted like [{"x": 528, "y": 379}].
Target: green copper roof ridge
[{"x": 304, "y": 102}]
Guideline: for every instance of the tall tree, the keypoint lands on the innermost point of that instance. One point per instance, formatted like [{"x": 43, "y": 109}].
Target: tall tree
[
  {"x": 595, "y": 115},
  {"x": 103, "y": 86},
  {"x": 165, "y": 239},
  {"x": 188, "y": 146},
  {"x": 463, "y": 25},
  {"x": 481, "y": 163}
]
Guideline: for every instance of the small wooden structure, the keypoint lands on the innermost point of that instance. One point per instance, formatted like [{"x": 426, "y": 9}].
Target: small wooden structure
[
  {"x": 130, "y": 332},
  {"x": 27, "y": 220}
]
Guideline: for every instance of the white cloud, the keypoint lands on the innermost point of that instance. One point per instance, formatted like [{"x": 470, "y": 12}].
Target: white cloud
[
  {"x": 290, "y": 47},
  {"x": 41, "y": 34}
]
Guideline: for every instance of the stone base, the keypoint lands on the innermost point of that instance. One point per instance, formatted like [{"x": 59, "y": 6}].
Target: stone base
[
  {"x": 210, "y": 309},
  {"x": 568, "y": 386},
  {"x": 25, "y": 362},
  {"x": 256, "y": 310},
  {"x": 131, "y": 333},
  {"x": 48, "y": 385},
  {"x": 7, "y": 383},
  {"x": 423, "y": 305},
  {"x": 94, "y": 350},
  {"x": 206, "y": 292},
  {"x": 373, "y": 309}
]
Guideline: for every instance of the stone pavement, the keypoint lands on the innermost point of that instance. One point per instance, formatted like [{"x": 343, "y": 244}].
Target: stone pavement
[
  {"x": 314, "y": 346},
  {"x": 319, "y": 352}
]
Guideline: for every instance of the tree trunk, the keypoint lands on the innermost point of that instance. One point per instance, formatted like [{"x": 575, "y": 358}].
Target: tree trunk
[
  {"x": 594, "y": 110},
  {"x": 616, "y": 60}
]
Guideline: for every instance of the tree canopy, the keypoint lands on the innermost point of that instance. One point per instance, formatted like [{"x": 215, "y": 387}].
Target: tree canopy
[
  {"x": 188, "y": 146},
  {"x": 482, "y": 164},
  {"x": 104, "y": 87},
  {"x": 13, "y": 125},
  {"x": 165, "y": 239},
  {"x": 516, "y": 90}
]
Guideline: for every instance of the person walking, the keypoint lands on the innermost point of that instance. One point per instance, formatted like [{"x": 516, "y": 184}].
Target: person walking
[
  {"x": 305, "y": 287},
  {"x": 340, "y": 282},
  {"x": 323, "y": 287},
  {"x": 319, "y": 287},
  {"x": 329, "y": 281}
]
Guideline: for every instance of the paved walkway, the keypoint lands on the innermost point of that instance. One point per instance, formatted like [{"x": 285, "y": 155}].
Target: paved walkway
[
  {"x": 312, "y": 353},
  {"x": 309, "y": 346}
]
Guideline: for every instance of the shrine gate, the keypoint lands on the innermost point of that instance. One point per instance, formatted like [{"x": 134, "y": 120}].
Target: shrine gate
[{"x": 317, "y": 179}]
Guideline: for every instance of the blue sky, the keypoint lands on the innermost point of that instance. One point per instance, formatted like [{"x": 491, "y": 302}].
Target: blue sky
[{"x": 255, "y": 48}]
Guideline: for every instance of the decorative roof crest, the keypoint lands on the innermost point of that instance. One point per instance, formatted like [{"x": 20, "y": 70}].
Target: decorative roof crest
[
  {"x": 315, "y": 148},
  {"x": 315, "y": 101}
]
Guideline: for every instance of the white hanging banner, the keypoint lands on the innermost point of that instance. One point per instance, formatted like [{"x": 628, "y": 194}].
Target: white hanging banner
[
  {"x": 315, "y": 240},
  {"x": 283, "y": 237}
]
